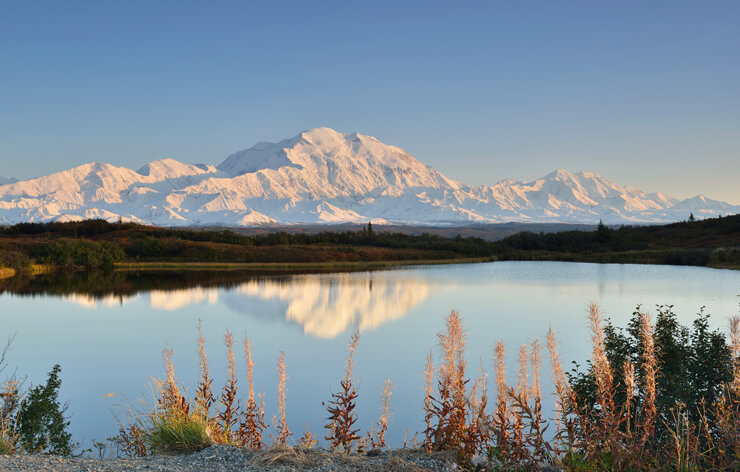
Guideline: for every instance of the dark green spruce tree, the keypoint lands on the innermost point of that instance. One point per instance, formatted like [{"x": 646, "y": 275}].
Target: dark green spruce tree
[{"x": 41, "y": 421}]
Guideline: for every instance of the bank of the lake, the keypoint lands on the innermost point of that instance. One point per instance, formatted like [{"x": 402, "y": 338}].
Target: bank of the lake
[
  {"x": 31, "y": 270},
  {"x": 233, "y": 459},
  {"x": 291, "y": 266},
  {"x": 713, "y": 258}
]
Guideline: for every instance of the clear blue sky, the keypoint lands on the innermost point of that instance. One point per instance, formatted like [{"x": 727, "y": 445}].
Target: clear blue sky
[{"x": 646, "y": 93}]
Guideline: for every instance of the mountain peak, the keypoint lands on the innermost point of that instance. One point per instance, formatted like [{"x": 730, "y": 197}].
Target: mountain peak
[
  {"x": 272, "y": 156},
  {"x": 559, "y": 174},
  {"x": 321, "y": 133}
]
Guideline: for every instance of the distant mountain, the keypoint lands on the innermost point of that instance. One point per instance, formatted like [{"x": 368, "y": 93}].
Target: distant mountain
[
  {"x": 6, "y": 180},
  {"x": 323, "y": 176}
]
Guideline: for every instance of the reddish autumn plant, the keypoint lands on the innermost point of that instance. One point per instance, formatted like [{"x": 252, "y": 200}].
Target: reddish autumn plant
[{"x": 341, "y": 408}]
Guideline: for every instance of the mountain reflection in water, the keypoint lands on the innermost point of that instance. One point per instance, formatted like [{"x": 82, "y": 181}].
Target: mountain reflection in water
[
  {"x": 322, "y": 305},
  {"x": 327, "y": 305}
]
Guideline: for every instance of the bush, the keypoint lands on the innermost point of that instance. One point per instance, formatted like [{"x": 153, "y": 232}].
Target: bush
[
  {"x": 695, "y": 257},
  {"x": 81, "y": 253},
  {"x": 41, "y": 423},
  {"x": 726, "y": 256},
  {"x": 15, "y": 260},
  {"x": 156, "y": 248},
  {"x": 693, "y": 363}
]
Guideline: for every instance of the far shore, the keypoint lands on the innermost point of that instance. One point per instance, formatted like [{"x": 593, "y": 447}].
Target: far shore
[
  {"x": 35, "y": 248},
  {"x": 281, "y": 266},
  {"x": 38, "y": 269}
]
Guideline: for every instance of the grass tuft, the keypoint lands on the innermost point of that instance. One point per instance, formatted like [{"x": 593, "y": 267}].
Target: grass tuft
[{"x": 178, "y": 433}]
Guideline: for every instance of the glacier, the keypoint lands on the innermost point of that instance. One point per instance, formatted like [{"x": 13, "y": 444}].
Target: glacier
[{"x": 327, "y": 177}]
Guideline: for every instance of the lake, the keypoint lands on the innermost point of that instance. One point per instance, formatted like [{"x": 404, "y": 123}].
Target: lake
[{"x": 108, "y": 331}]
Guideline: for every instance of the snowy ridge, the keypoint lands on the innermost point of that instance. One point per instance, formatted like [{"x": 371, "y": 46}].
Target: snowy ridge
[{"x": 324, "y": 176}]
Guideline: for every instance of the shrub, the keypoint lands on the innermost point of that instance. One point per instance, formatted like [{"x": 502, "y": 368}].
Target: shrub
[
  {"x": 15, "y": 260},
  {"x": 82, "y": 253},
  {"x": 692, "y": 363},
  {"x": 42, "y": 425}
]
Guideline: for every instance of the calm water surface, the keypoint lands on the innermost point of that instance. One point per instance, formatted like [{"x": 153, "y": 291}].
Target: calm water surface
[{"x": 108, "y": 339}]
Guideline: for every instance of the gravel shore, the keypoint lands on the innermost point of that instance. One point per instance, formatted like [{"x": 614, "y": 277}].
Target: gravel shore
[{"x": 232, "y": 459}]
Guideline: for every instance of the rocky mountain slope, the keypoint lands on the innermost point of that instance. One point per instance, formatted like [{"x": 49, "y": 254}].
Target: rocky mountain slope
[{"x": 323, "y": 176}]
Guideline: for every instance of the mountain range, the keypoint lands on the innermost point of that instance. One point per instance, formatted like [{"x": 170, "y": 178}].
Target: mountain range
[{"x": 324, "y": 176}]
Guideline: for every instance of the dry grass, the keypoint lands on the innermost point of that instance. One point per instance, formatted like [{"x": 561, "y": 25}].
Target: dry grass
[
  {"x": 601, "y": 369},
  {"x": 342, "y": 407},
  {"x": 282, "y": 425},
  {"x": 647, "y": 381},
  {"x": 171, "y": 400},
  {"x": 501, "y": 420},
  {"x": 536, "y": 363},
  {"x": 457, "y": 414},
  {"x": 253, "y": 420},
  {"x": 428, "y": 411},
  {"x": 11, "y": 402},
  {"x": 228, "y": 415},
  {"x": 607, "y": 436},
  {"x": 735, "y": 345},
  {"x": 629, "y": 388},
  {"x": 250, "y": 368},
  {"x": 204, "y": 393},
  {"x": 172, "y": 426},
  {"x": 562, "y": 388},
  {"x": 377, "y": 437},
  {"x": 610, "y": 434}
]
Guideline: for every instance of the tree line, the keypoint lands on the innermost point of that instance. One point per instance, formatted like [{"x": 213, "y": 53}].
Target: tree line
[{"x": 99, "y": 244}]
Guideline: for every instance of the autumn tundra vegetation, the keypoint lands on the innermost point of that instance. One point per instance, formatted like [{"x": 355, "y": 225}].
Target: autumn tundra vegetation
[
  {"x": 98, "y": 244},
  {"x": 654, "y": 396}
]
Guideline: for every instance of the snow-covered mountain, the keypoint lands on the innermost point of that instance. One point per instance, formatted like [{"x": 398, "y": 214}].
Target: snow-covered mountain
[
  {"x": 6, "y": 180},
  {"x": 323, "y": 176}
]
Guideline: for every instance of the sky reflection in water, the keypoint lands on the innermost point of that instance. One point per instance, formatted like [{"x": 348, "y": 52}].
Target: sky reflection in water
[{"x": 112, "y": 342}]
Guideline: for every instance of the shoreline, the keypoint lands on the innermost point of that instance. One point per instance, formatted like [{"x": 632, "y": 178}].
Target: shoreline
[
  {"x": 233, "y": 459},
  {"x": 281, "y": 266},
  {"x": 33, "y": 269},
  {"x": 270, "y": 267}
]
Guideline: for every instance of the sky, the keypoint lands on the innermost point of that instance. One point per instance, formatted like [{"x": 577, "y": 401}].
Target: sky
[{"x": 644, "y": 93}]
